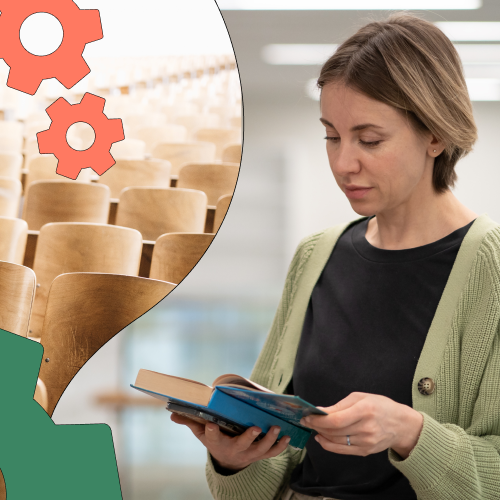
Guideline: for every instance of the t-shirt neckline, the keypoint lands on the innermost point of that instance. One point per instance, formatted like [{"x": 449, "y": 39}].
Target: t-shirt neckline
[{"x": 369, "y": 252}]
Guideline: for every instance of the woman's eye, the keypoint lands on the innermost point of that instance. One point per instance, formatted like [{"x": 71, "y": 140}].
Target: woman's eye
[
  {"x": 364, "y": 143},
  {"x": 370, "y": 144}
]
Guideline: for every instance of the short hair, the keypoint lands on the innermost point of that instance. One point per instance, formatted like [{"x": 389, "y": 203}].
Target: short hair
[{"x": 409, "y": 63}]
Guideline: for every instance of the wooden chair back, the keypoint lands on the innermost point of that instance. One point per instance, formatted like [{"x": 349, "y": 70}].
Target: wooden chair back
[
  {"x": 221, "y": 210},
  {"x": 129, "y": 149},
  {"x": 10, "y": 165},
  {"x": 235, "y": 122},
  {"x": 156, "y": 211},
  {"x": 81, "y": 247},
  {"x": 10, "y": 196},
  {"x": 232, "y": 153},
  {"x": 134, "y": 173},
  {"x": 17, "y": 289},
  {"x": 84, "y": 311},
  {"x": 221, "y": 137},
  {"x": 175, "y": 254},
  {"x": 11, "y": 143},
  {"x": 195, "y": 122},
  {"x": 41, "y": 396},
  {"x": 214, "y": 179},
  {"x": 8, "y": 127},
  {"x": 65, "y": 201},
  {"x": 184, "y": 152},
  {"x": 155, "y": 135},
  {"x": 43, "y": 168},
  {"x": 13, "y": 237}
]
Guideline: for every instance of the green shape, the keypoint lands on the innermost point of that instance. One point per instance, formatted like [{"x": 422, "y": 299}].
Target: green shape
[{"x": 38, "y": 458}]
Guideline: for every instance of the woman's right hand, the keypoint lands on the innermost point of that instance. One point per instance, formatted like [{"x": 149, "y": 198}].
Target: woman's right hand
[{"x": 235, "y": 453}]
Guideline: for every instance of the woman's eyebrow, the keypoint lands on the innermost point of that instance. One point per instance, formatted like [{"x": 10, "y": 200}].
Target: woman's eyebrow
[{"x": 353, "y": 129}]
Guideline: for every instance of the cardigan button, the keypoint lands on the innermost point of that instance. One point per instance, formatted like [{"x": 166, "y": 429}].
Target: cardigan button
[{"x": 426, "y": 386}]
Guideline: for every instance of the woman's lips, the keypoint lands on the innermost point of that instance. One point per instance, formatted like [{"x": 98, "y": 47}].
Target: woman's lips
[{"x": 356, "y": 193}]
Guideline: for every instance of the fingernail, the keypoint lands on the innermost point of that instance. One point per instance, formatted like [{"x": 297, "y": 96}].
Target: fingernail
[
  {"x": 307, "y": 420},
  {"x": 210, "y": 428},
  {"x": 316, "y": 438},
  {"x": 276, "y": 431},
  {"x": 255, "y": 433},
  {"x": 287, "y": 440}
]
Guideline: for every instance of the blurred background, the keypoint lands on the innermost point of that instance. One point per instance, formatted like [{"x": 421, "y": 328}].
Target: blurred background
[{"x": 216, "y": 321}]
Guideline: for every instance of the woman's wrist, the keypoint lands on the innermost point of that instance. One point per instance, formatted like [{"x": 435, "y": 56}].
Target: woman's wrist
[
  {"x": 411, "y": 427},
  {"x": 222, "y": 469}
]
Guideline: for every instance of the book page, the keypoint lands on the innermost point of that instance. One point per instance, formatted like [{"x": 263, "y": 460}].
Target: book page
[
  {"x": 232, "y": 380},
  {"x": 176, "y": 387}
]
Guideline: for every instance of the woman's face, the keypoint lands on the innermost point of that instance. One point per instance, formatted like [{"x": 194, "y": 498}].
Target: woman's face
[{"x": 378, "y": 160}]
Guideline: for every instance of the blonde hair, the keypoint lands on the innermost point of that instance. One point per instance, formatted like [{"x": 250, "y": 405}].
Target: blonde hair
[{"x": 408, "y": 63}]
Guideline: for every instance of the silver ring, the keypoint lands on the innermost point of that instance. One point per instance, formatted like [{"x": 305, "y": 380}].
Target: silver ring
[{"x": 348, "y": 441}]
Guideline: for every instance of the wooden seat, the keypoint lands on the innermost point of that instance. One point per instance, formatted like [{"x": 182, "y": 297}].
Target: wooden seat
[
  {"x": 128, "y": 149},
  {"x": 155, "y": 211},
  {"x": 232, "y": 153},
  {"x": 13, "y": 236},
  {"x": 10, "y": 196},
  {"x": 10, "y": 165},
  {"x": 134, "y": 173},
  {"x": 17, "y": 288},
  {"x": 81, "y": 247},
  {"x": 43, "y": 168},
  {"x": 155, "y": 135},
  {"x": 221, "y": 137},
  {"x": 84, "y": 311},
  {"x": 214, "y": 179},
  {"x": 175, "y": 254},
  {"x": 184, "y": 152},
  {"x": 220, "y": 210},
  {"x": 65, "y": 201}
]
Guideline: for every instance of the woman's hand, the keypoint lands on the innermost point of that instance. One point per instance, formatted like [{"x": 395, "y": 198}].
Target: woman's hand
[
  {"x": 235, "y": 453},
  {"x": 373, "y": 423}
]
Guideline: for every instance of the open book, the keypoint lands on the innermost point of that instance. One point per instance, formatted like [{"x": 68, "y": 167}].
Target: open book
[{"x": 232, "y": 400}]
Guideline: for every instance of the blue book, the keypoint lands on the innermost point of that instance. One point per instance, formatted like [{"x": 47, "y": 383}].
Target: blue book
[{"x": 234, "y": 403}]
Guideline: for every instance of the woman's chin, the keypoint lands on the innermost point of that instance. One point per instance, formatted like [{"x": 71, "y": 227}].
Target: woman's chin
[{"x": 362, "y": 208}]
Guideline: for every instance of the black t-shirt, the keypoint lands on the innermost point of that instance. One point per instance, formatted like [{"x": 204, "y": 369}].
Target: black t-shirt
[{"x": 364, "y": 329}]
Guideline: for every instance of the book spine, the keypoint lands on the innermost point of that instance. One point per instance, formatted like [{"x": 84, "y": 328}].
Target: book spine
[{"x": 248, "y": 415}]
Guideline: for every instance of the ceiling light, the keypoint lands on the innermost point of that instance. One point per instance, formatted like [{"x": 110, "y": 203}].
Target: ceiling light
[
  {"x": 484, "y": 53},
  {"x": 292, "y": 53},
  {"x": 471, "y": 31},
  {"x": 350, "y": 5},
  {"x": 483, "y": 89},
  {"x": 480, "y": 89},
  {"x": 317, "y": 54}
]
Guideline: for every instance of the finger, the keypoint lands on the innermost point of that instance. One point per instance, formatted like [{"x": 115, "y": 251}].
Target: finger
[
  {"x": 244, "y": 441},
  {"x": 265, "y": 444},
  {"x": 277, "y": 448},
  {"x": 342, "y": 449},
  {"x": 337, "y": 420},
  {"x": 196, "y": 428},
  {"x": 358, "y": 428},
  {"x": 347, "y": 402}
]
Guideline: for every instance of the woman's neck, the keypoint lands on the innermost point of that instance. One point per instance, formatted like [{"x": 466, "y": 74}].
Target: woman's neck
[{"x": 410, "y": 227}]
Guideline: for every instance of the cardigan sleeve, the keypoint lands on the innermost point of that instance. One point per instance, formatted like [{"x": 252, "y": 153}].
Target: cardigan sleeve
[
  {"x": 452, "y": 463},
  {"x": 265, "y": 479}
]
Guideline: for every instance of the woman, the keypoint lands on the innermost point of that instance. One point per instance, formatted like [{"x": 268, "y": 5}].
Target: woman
[{"x": 390, "y": 323}]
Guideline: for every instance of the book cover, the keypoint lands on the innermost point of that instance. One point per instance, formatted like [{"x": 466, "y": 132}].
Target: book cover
[{"x": 284, "y": 406}]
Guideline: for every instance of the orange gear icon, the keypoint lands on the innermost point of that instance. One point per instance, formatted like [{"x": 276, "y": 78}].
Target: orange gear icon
[
  {"x": 66, "y": 64},
  {"x": 97, "y": 156}
]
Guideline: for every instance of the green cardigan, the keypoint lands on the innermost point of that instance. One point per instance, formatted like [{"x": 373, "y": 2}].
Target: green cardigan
[{"x": 457, "y": 454}]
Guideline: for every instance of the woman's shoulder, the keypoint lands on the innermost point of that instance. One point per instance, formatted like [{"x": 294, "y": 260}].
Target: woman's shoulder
[{"x": 325, "y": 238}]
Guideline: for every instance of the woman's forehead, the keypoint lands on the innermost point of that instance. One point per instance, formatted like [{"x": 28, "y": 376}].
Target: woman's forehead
[{"x": 343, "y": 106}]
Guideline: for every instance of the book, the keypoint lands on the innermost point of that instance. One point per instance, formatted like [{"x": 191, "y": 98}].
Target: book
[{"x": 233, "y": 402}]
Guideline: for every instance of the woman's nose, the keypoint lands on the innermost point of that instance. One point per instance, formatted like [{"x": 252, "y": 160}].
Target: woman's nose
[{"x": 344, "y": 160}]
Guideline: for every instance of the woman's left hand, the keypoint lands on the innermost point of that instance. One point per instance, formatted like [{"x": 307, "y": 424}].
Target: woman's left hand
[{"x": 373, "y": 423}]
